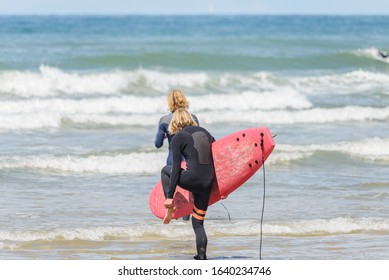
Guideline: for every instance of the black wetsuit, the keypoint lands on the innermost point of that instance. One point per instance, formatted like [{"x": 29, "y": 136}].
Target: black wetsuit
[
  {"x": 194, "y": 144},
  {"x": 383, "y": 55}
]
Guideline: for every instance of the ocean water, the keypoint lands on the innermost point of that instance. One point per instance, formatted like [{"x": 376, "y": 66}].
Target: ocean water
[{"x": 80, "y": 99}]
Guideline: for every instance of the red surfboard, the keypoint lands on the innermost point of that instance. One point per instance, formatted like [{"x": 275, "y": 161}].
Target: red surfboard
[{"x": 236, "y": 158}]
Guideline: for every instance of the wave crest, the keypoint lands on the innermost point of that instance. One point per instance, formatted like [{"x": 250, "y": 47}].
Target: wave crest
[
  {"x": 373, "y": 149},
  {"x": 154, "y": 230}
]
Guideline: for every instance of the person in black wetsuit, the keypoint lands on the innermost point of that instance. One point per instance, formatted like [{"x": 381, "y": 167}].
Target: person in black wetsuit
[
  {"x": 194, "y": 144},
  {"x": 382, "y": 54}
]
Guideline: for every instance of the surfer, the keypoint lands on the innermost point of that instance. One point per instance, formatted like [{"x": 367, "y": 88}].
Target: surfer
[
  {"x": 382, "y": 54},
  {"x": 194, "y": 144},
  {"x": 176, "y": 99}
]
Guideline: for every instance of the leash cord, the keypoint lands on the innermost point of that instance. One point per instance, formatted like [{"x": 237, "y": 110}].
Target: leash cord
[{"x": 264, "y": 195}]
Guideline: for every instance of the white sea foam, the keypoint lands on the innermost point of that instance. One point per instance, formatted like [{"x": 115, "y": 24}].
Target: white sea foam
[
  {"x": 355, "y": 82},
  {"x": 133, "y": 163},
  {"x": 314, "y": 115},
  {"x": 52, "y": 98},
  {"x": 52, "y": 114},
  {"x": 125, "y": 104},
  {"x": 374, "y": 149},
  {"x": 282, "y": 98},
  {"x": 52, "y": 82},
  {"x": 340, "y": 225},
  {"x": 138, "y": 104},
  {"x": 154, "y": 230}
]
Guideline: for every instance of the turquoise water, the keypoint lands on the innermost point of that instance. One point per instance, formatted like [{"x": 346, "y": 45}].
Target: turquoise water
[
  {"x": 251, "y": 43},
  {"x": 81, "y": 96}
]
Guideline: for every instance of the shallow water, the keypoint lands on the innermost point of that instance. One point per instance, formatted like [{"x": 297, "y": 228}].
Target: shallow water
[{"x": 78, "y": 119}]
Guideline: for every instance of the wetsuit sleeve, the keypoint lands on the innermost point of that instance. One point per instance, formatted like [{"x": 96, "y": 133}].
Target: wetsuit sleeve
[
  {"x": 176, "y": 145},
  {"x": 160, "y": 135}
]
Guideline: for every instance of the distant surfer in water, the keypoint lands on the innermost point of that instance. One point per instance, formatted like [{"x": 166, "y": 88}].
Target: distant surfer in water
[
  {"x": 382, "y": 54},
  {"x": 175, "y": 100},
  {"x": 194, "y": 144}
]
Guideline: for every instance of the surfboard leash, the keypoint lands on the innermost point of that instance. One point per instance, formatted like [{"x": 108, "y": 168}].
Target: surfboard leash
[
  {"x": 228, "y": 212},
  {"x": 264, "y": 194}
]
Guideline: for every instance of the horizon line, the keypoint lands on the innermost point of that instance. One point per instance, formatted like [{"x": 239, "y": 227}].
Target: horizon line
[{"x": 193, "y": 14}]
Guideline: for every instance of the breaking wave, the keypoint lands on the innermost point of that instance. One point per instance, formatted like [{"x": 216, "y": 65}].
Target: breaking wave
[{"x": 373, "y": 149}]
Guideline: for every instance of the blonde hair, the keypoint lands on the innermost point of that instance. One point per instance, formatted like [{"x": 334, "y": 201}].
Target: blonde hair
[
  {"x": 180, "y": 119},
  {"x": 176, "y": 99}
]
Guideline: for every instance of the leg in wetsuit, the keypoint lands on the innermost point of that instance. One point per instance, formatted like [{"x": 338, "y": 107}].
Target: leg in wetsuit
[
  {"x": 198, "y": 216},
  {"x": 201, "y": 199}
]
